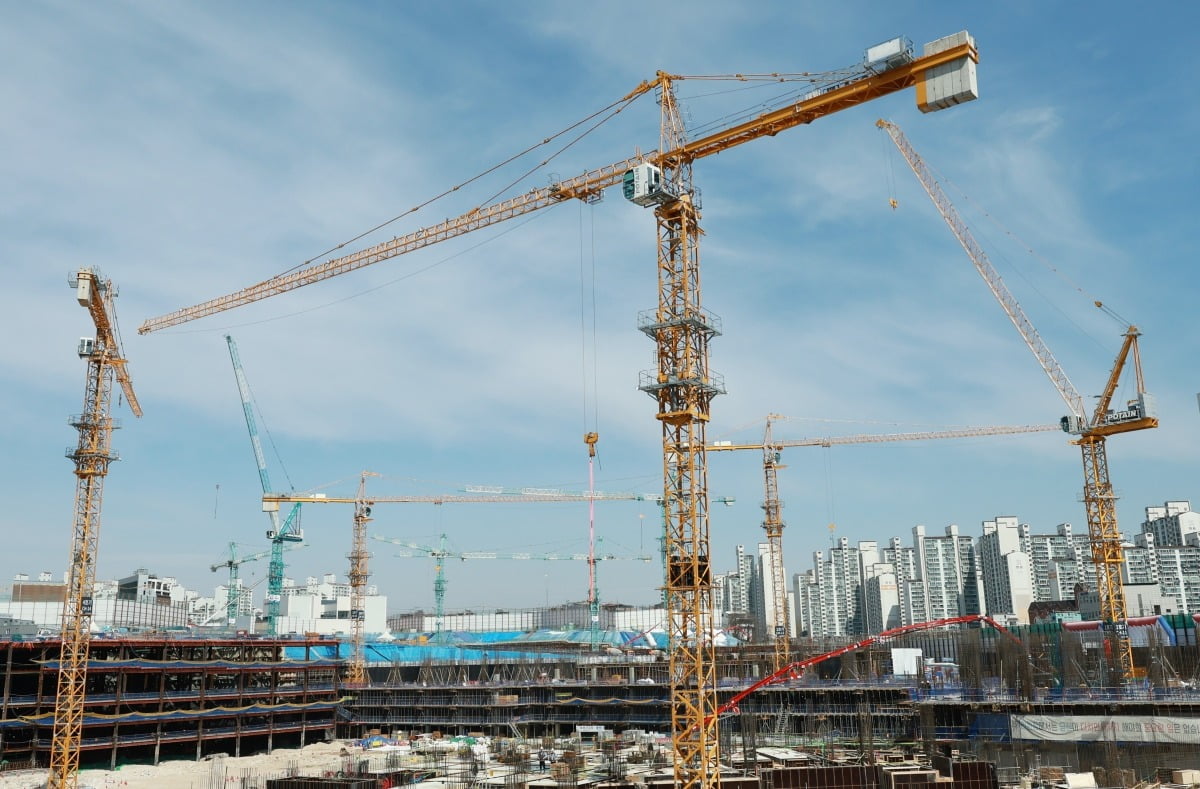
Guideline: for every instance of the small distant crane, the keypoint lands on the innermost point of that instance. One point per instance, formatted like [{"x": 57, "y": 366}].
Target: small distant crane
[
  {"x": 442, "y": 553},
  {"x": 92, "y": 455},
  {"x": 234, "y": 564},
  {"x": 359, "y": 556}
]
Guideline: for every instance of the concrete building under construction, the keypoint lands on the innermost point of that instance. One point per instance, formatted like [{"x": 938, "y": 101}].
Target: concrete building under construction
[
  {"x": 1026, "y": 702},
  {"x": 154, "y": 697}
]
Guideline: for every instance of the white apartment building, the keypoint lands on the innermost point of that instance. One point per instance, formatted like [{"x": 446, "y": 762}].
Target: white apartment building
[
  {"x": 1006, "y": 569},
  {"x": 911, "y": 595},
  {"x": 1173, "y": 569},
  {"x": 950, "y": 575},
  {"x": 851, "y": 592},
  {"x": 1173, "y": 524},
  {"x": 323, "y": 606},
  {"x": 810, "y": 618},
  {"x": 243, "y": 602},
  {"x": 881, "y": 598},
  {"x": 868, "y": 588},
  {"x": 1059, "y": 561}
]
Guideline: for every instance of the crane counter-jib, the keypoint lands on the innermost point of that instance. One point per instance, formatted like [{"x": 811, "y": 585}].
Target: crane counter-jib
[{"x": 944, "y": 75}]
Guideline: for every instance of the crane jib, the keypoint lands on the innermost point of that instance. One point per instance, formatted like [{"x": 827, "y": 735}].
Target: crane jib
[{"x": 921, "y": 71}]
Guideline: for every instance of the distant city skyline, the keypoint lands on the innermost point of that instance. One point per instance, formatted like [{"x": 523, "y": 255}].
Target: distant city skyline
[{"x": 865, "y": 589}]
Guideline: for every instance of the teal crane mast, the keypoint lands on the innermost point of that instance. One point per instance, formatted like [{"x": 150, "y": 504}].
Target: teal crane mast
[
  {"x": 233, "y": 596},
  {"x": 280, "y": 536}
]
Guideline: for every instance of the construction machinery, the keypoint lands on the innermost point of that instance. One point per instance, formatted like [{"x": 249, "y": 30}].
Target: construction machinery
[
  {"x": 92, "y": 456},
  {"x": 234, "y": 564},
  {"x": 591, "y": 439},
  {"x": 773, "y": 523},
  {"x": 795, "y": 670},
  {"x": 289, "y": 533},
  {"x": 359, "y": 557},
  {"x": 1091, "y": 430},
  {"x": 683, "y": 385},
  {"x": 441, "y": 553}
]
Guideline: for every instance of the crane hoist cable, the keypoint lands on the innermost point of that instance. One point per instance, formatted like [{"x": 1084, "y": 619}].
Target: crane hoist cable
[
  {"x": 588, "y": 345},
  {"x": 830, "y": 512},
  {"x": 261, "y": 422},
  {"x": 889, "y": 171},
  {"x": 620, "y": 105}
]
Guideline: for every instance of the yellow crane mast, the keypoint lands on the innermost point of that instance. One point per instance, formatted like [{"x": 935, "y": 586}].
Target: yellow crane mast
[
  {"x": 358, "y": 575},
  {"x": 1139, "y": 414},
  {"x": 773, "y": 525},
  {"x": 683, "y": 386},
  {"x": 773, "y": 522},
  {"x": 92, "y": 455}
]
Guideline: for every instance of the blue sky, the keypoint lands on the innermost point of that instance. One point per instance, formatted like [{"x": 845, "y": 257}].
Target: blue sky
[{"x": 189, "y": 150}]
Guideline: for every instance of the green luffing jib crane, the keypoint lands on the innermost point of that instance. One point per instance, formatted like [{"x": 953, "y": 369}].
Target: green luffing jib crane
[{"x": 280, "y": 536}]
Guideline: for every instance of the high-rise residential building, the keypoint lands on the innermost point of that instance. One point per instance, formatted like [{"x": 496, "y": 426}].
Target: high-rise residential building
[
  {"x": 950, "y": 575},
  {"x": 1179, "y": 575},
  {"x": 869, "y": 588},
  {"x": 1175, "y": 568},
  {"x": 1172, "y": 524},
  {"x": 720, "y": 591},
  {"x": 881, "y": 598},
  {"x": 1005, "y": 568},
  {"x": 909, "y": 592},
  {"x": 807, "y": 593},
  {"x": 851, "y": 590},
  {"x": 733, "y": 593},
  {"x": 745, "y": 570},
  {"x": 1059, "y": 561},
  {"x": 845, "y": 584},
  {"x": 820, "y": 614},
  {"x": 1141, "y": 560}
]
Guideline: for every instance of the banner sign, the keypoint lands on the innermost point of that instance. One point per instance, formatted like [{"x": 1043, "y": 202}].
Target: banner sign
[{"x": 1113, "y": 728}]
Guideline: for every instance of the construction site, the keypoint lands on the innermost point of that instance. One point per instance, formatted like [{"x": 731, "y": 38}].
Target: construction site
[
  {"x": 986, "y": 701},
  {"x": 1001, "y": 707}
]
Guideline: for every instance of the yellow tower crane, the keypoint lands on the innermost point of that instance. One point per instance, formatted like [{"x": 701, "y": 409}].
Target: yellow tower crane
[
  {"x": 360, "y": 557},
  {"x": 683, "y": 385},
  {"x": 773, "y": 523},
  {"x": 1092, "y": 430},
  {"x": 92, "y": 455}
]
